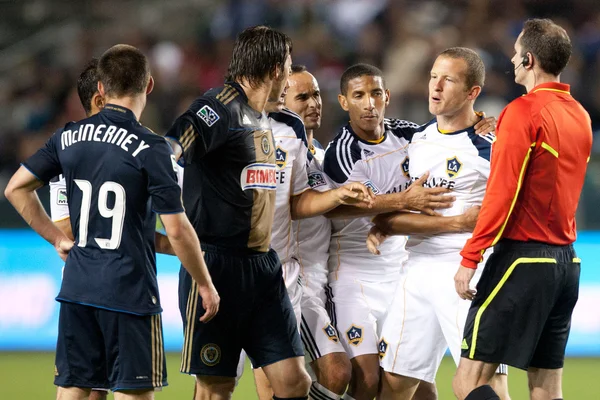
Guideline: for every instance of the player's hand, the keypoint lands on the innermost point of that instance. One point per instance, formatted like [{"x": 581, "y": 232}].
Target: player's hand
[
  {"x": 426, "y": 200},
  {"x": 485, "y": 125},
  {"x": 374, "y": 239},
  {"x": 210, "y": 301},
  {"x": 461, "y": 283},
  {"x": 354, "y": 193},
  {"x": 63, "y": 246},
  {"x": 468, "y": 219}
]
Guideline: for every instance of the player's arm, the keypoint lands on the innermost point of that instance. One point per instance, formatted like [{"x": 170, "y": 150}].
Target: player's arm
[
  {"x": 59, "y": 207},
  {"x": 21, "y": 192},
  {"x": 162, "y": 244},
  {"x": 415, "y": 198},
  {"x": 311, "y": 202},
  {"x": 511, "y": 151},
  {"x": 404, "y": 223}
]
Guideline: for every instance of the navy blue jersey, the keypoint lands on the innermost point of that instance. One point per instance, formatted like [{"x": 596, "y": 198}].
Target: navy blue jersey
[
  {"x": 118, "y": 174},
  {"x": 230, "y": 172}
]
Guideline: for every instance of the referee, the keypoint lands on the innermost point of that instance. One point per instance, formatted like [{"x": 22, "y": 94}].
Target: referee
[{"x": 521, "y": 312}]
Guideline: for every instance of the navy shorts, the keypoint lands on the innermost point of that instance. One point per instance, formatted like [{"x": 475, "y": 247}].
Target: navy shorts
[
  {"x": 105, "y": 349},
  {"x": 255, "y": 314},
  {"x": 521, "y": 314}
]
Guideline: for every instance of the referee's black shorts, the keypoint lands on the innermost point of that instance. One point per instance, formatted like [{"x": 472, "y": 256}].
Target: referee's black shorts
[
  {"x": 521, "y": 314},
  {"x": 255, "y": 314}
]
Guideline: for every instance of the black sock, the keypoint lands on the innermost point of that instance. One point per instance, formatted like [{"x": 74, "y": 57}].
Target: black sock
[
  {"x": 290, "y": 398},
  {"x": 484, "y": 392}
]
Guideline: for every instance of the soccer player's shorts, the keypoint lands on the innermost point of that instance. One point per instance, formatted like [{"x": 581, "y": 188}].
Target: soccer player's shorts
[
  {"x": 521, "y": 314},
  {"x": 293, "y": 283},
  {"x": 358, "y": 310},
  {"x": 104, "y": 349},
  {"x": 426, "y": 317},
  {"x": 255, "y": 314},
  {"x": 318, "y": 334}
]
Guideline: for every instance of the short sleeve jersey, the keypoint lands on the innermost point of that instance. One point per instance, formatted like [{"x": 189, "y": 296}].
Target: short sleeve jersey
[
  {"x": 230, "y": 173},
  {"x": 117, "y": 174},
  {"x": 459, "y": 161},
  {"x": 382, "y": 166},
  {"x": 292, "y": 178}
]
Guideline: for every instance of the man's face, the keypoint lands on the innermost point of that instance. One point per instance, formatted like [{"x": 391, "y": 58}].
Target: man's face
[
  {"x": 517, "y": 61},
  {"x": 278, "y": 90},
  {"x": 448, "y": 92},
  {"x": 365, "y": 100},
  {"x": 304, "y": 98}
]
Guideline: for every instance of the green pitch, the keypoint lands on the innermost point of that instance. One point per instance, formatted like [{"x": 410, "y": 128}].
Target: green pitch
[{"x": 28, "y": 376}]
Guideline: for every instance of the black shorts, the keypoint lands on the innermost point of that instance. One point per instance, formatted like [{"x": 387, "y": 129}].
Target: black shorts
[
  {"x": 521, "y": 314},
  {"x": 104, "y": 349},
  {"x": 255, "y": 314}
]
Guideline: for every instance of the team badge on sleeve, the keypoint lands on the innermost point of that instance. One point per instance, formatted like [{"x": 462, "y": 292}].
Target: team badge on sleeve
[
  {"x": 404, "y": 165},
  {"x": 382, "y": 346},
  {"x": 316, "y": 179},
  {"x": 331, "y": 333},
  {"x": 208, "y": 115},
  {"x": 453, "y": 166},
  {"x": 354, "y": 335},
  {"x": 280, "y": 157},
  {"x": 210, "y": 354},
  {"x": 61, "y": 197}
]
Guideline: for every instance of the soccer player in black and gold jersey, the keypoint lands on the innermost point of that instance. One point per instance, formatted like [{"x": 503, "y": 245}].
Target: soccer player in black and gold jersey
[{"x": 226, "y": 144}]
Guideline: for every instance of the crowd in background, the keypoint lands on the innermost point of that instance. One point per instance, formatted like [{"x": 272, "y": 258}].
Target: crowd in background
[{"x": 45, "y": 44}]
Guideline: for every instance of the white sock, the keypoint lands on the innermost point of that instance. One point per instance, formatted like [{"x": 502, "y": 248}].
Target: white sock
[{"x": 320, "y": 392}]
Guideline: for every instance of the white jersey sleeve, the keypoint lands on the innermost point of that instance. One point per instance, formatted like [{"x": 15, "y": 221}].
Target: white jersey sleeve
[{"x": 59, "y": 205}]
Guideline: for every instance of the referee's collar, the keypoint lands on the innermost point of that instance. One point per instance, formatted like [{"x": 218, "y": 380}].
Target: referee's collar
[
  {"x": 113, "y": 109},
  {"x": 552, "y": 86}
]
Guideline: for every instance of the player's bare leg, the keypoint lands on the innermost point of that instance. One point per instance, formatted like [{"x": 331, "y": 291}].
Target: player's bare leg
[
  {"x": 263, "y": 386},
  {"x": 72, "y": 393},
  {"x": 397, "y": 387},
  {"x": 98, "y": 395},
  {"x": 288, "y": 378},
  {"x": 333, "y": 371},
  {"x": 545, "y": 383},
  {"x": 499, "y": 383},
  {"x": 214, "y": 387},
  {"x": 135, "y": 395},
  {"x": 365, "y": 377},
  {"x": 426, "y": 391},
  {"x": 470, "y": 375}
]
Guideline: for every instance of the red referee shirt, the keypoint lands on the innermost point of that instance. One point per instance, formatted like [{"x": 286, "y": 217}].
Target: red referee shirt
[{"x": 543, "y": 145}]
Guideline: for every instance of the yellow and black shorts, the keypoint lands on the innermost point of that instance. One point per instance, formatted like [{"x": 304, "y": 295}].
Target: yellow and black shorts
[{"x": 521, "y": 314}]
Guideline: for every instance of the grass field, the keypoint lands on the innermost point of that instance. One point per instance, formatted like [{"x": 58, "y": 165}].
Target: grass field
[{"x": 28, "y": 376}]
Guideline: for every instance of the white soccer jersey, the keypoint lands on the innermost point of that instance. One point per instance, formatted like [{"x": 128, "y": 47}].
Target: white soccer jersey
[
  {"x": 292, "y": 178},
  {"x": 59, "y": 206},
  {"x": 313, "y": 234},
  {"x": 383, "y": 167},
  {"x": 459, "y": 161}
]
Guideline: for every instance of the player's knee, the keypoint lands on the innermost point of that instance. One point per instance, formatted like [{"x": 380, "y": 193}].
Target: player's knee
[
  {"x": 215, "y": 384},
  {"x": 426, "y": 391},
  {"x": 335, "y": 373},
  {"x": 366, "y": 383},
  {"x": 459, "y": 386}
]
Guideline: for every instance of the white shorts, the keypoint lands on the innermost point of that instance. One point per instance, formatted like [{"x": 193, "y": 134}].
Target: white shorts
[
  {"x": 426, "y": 317},
  {"x": 318, "y": 334},
  {"x": 358, "y": 311},
  {"x": 293, "y": 284}
]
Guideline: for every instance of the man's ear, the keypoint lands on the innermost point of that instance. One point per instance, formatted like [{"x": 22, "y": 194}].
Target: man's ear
[
  {"x": 150, "y": 85},
  {"x": 101, "y": 89},
  {"x": 343, "y": 102},
  {"x": 387, "y": 97},
  {"x": 474, "y": 92}
]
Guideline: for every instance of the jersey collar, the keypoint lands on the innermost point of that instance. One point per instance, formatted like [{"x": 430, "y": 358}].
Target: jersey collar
[
  {"x": 470, "y": 129},
  {"x": 113, "y": 109},
  {"x": 552, "y": 87},
  {"x": 371, "y": 143}
]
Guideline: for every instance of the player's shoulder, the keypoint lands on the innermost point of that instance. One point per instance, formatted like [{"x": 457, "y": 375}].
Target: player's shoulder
[
  {"x": 483, "y": 143},
  {"x": 401, "y": 128},
  {"x": 341, "y": 155},
  {"x": 291, "y": 121},
  {"x": 420, "y": 132},
  {"x": 216, "y": 105}
]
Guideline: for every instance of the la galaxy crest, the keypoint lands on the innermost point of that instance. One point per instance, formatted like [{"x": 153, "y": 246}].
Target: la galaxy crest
[
  {"x": 331, "y": 333},
  {"x": 354, "y": 335},
  {"x": 382, "y": 346},
  {"x": 404, "y": 166},
  {"x": 280, "y": 157},
  {"x": 453, "y": 166},
  {"x": 210, "y": 354}
]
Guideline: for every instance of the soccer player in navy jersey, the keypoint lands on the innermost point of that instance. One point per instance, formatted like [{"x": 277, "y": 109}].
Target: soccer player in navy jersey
[{"x": 119, "y": 176}]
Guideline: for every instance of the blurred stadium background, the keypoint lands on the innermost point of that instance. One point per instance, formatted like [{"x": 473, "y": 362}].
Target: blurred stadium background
[{"x": 44, "y": 44}]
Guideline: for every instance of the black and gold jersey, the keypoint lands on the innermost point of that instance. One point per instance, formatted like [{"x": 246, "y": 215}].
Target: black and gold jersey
[{"x": 230, "y": 172}]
